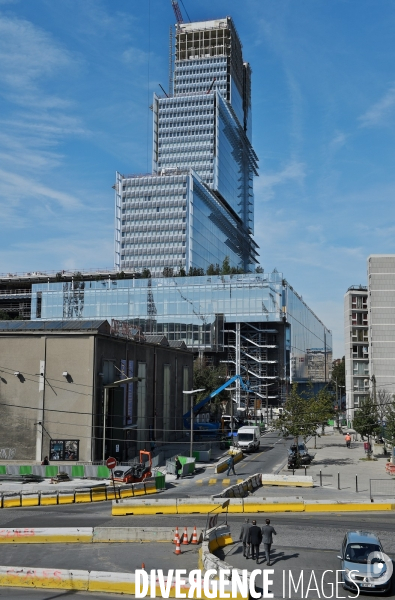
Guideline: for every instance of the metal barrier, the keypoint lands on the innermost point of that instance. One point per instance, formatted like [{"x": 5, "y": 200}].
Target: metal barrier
[{"x": 382, "y": 487}]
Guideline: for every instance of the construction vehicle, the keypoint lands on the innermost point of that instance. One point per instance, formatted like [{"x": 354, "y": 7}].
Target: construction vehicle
[
  {"x": 211, "y": 430},
  {"x": 136, "y": 472}
]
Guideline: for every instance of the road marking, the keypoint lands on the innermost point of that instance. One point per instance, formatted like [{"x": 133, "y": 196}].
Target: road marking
[
  {"x": 212, "y": 481},
  {"x": 240, "y": 480},
  {"x": 199, "y": 482},
  {"x": 226, "y": 482},
  {"x": 257, "y": 456}
]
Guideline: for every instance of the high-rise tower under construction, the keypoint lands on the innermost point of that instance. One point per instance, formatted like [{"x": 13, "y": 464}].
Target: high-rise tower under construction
[{"x": 197, "y": 206}]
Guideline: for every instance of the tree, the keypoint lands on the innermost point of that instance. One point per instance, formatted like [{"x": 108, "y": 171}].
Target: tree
[
  {"x": 366, "y": 419},
  {"x": 4, "y": 316},
  {"x": 168, "y": 272},
  {"x": 384, "y": 400},
  {"x": 323, "y": 407},
  {"x": 226, "y": 269},
  {"x": 259, "y": 269},
  {"x": 209, "y": 378},
  {"x": 195, "y": 272},
  {"x": 390, "y": 423},
  {"x": 298, "y": 418},
  {"x": 339, "y": 373},
  {"x": 145, "y": 273},
  {"x": 213, "y": 269}
]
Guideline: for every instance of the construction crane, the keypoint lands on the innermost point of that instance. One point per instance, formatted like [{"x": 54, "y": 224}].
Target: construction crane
[{"x": 177, "y": 12}]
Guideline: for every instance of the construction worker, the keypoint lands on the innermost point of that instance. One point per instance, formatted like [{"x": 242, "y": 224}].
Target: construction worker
[{"x": 348, "y": 439}]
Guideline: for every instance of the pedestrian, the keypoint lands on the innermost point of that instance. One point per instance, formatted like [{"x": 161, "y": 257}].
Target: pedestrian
[
  {"x": 45, "y": 461},
  {"x": 255, "y": 539},
  {"x": 178, "y": 467},
  {"x": 348, "y": 439},
  {"x": 245, "y": 528},
  {"x": 267, "y": 538},
  {"x": 231, "y": 465}
]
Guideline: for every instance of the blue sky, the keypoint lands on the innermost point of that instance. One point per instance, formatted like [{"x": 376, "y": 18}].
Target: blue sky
[{"x": 76, "y": 81}]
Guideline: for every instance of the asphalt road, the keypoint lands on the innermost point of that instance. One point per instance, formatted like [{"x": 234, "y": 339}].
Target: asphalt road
[{"x": 271, "y": 456}]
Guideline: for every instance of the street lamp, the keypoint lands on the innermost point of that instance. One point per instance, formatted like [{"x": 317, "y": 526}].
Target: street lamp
[
  {"x": 190, "y": 393},
  {"x": 115, "y": 384}
]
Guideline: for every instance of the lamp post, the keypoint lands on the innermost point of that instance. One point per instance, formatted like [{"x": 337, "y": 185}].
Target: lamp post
[
  {"x": 191, "y": 393},
  {"x": 115, "y": 384}
]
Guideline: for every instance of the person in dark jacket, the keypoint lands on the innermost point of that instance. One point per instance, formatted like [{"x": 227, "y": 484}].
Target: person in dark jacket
[
  {"x": 255, "y": 539},
  {"x": 245, "y": 528},
  {"x": 178, "y": 467},
  {"x": 231, "y": 465},
  {"x": 45, "y": 461},
  {"x": 267, "y": 538}
]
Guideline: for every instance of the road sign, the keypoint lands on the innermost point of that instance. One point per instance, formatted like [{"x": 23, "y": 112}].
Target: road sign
[{"x": 111, "y": 462}]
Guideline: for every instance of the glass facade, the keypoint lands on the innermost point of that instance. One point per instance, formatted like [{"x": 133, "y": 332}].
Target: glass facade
[
  {"x": 197, "y": 206},
  {"x": 256, "y": 323}
]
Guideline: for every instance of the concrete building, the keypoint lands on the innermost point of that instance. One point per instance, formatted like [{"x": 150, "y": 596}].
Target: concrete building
[
  {"x": 381, "y": 304},
  {"x": 356, "y": 340},
  {"x": 53, "y": 393},
  {"x": 197, "y": 206}
]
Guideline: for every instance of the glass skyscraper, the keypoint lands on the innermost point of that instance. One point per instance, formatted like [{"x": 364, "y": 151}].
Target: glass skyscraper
[{"x": 197, "y": 206}]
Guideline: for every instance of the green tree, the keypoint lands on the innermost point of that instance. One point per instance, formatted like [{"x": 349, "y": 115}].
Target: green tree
[
  {"x": 339, "y": 373},
  {"x": 4, "y": 316},
  {"x": 209, "y": 378},
  {"x": 259, "y": 269},
  {"x": 390, "y": 423},
  {"x": 145, "y": 273},
  {"x": 213, "y": 269},
  {"x": 299, "y": 418},
  {"x": 226, "y": 268},
  {"x": 168, "y": 272},
  {"x": 323, "y": 408},
  {"x": 366, "y": 420},
  {"x": 195, "y": 272}
]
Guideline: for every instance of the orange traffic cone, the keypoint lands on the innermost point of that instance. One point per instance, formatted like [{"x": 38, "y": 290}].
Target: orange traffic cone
[
  {"x": 185, "y": 537},
  {"x": 178, "y": 547},
  {"x": 194, "y": 536},
  {"x": 176, "y": 536},
  {"x": 143, "y": 566}
]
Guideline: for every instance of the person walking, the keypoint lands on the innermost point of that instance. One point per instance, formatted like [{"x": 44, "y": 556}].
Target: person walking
[
  {"x": 348, "y": 439},
  {"x": 267, "y": 538},
  {"x": 178, "y": 467},
  {"x": 255, "y": 539},
  {"x": 231, "y": 465},
  {"x": 245, "y": 528}
]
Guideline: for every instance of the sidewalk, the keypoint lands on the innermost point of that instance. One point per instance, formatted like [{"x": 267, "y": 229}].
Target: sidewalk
[{"x": 333, "y": 459}]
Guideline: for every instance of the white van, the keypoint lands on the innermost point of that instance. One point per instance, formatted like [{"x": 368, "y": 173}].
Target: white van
[{"x": 248, "y": 438}]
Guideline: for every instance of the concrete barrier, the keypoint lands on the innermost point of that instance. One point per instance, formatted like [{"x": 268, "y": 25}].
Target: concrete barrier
[
  {"x": 222, "y": 464},
  {"x": 138, "y": 534},
  {"x": 66, "y": 497},
  {"x": 48, "y": 498},
  {"x": 362, "y": 506},
  {"x": 150, "y": 487},
  {"x": 44, "y": 578},
  {"x": 30, "y": 499},
  {"x": 11, "y": 500},
  {"x": 254, "y": 504},
  {"x": 287, "y": 480},
  {"x": 54, "y": 535},
  {"x": 115, "y": 583},
  {"x": 138, "y": 489},
  {"x": 83, "y": 496},
  {"x": 144, "y": 507}
]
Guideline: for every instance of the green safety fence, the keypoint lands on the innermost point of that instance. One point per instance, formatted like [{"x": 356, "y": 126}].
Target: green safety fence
[{"x": 25, "y": 470}]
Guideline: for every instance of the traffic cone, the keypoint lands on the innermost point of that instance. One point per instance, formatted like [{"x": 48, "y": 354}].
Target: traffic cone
[
  {"x": 143, "y": 566},
  {"x": 178, "y": 547},
  {"x": 194, "y": 536},
  {"x": 185, "y": 537},
  {"x": 176, "y": 536}
]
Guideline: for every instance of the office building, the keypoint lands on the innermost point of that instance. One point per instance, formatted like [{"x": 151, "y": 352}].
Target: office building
[{"x": 197, "y": 206}]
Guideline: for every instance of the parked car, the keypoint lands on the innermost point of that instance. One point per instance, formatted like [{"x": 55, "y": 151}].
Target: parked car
[
  {"x": 304, "y": 457},
  {"x": 364, "y": 564}
]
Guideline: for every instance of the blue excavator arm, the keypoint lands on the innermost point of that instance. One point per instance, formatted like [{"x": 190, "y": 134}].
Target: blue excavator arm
[{"x": 198, "y": 407}]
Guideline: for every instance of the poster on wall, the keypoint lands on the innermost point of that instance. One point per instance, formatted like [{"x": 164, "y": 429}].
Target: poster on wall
[{"x": 64, "y": 450}]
